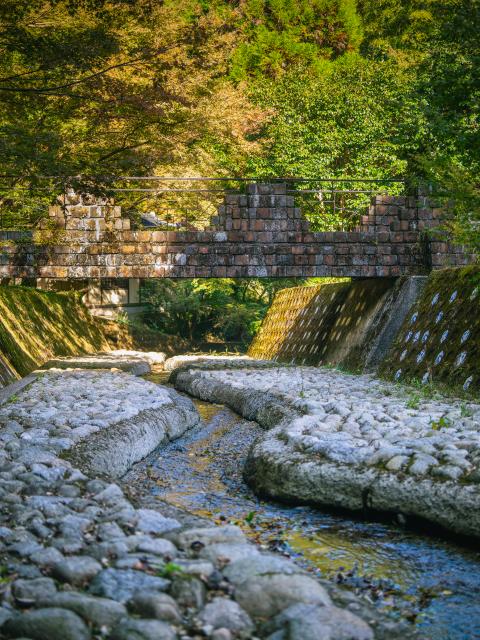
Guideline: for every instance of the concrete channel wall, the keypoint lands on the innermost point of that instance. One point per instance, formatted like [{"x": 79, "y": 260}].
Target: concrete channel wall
[
  {"x": 349, "y": 323},
  {"x": 415, "y": 328}
]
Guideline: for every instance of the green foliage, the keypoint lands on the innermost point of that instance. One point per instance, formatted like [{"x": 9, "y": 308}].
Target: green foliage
[
  {"x": 437, "y": 45},
  {"x": 441, "y": 423},
  {"x": 351, "y": 119},
  {"x": 457, "y": 190},
  {"x": 311, "y": 88},
  {"x": 279, "y": 34},
  {"x": 169, "y": 570},
  {"x": 222, "y": 309}
]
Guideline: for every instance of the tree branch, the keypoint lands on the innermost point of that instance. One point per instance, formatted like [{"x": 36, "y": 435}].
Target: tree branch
[
  {"x": 47, "y": 90},
  {"x": 119, "y": 150}
]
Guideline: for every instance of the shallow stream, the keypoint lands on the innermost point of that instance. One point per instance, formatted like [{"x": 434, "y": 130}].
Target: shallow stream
[{"x": 432, "y": 582}]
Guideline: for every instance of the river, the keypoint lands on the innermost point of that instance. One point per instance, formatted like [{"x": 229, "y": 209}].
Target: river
[{"x": 433, "y": 582}]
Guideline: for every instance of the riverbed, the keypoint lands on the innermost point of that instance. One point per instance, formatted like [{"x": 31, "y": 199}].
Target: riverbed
[{"x": 433, "y": 582}]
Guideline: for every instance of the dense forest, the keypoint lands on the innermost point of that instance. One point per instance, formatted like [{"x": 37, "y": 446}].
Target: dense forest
[
  {"x": 245, "y": 88},
  {"x": 310, "y": 88}
]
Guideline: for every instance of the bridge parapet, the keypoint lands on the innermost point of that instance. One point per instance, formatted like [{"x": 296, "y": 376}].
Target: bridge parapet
[
  {"x": 260, "y": 233},
  {"x": 263, "y": 208}
]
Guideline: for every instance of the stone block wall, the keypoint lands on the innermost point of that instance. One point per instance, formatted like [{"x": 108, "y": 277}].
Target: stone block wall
[
  {"x": 415, "y": 216},
  {"x": 256, "y": 234}
]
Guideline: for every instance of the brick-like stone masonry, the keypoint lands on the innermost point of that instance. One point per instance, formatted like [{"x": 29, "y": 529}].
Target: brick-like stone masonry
[{"x": 257, "y": 234}]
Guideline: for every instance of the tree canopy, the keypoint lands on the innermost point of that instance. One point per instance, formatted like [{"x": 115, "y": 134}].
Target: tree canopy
[{"x": 315, "y": 88}]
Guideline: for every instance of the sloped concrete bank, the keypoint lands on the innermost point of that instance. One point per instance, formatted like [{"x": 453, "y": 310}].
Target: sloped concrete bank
[
  {"x": 80, "y": 561},
  {"x": 347, "y": 323},
  {"x": 353, "y": 442},
  {"x": 105, "y": 420},
  {"x": 38, "y": 325}
]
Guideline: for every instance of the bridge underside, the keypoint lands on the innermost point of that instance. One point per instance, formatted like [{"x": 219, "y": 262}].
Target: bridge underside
[{"x": 259, "y": 235}]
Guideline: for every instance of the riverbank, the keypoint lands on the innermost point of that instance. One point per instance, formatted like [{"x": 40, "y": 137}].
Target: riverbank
[
  {"x": 427, "y": 583},
  {"x": 80, "y": 560},
  {"x": 353, "y": 442}
]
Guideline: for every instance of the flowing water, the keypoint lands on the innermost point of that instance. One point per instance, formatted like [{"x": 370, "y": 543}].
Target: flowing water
[{"x": 433, "y": 582}]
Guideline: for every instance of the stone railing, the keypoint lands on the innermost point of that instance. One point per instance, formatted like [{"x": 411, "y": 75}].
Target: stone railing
[{"x": 257, "y": 234}]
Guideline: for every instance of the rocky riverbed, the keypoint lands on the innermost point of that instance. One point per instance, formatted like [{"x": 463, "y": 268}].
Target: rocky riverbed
[
  {"x": 353, "y": 441},
  {"x": 424, "y": 581},
  {"x": 80, "y": 560}
]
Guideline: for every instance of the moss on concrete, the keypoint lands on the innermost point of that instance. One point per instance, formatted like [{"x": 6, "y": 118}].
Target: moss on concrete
[
  {"x": 325, "y": 324},
  {"x": 439, "y": 341},
  {"x": 37, "y": 325}
]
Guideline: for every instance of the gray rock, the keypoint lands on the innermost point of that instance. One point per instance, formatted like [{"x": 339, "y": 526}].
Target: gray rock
[
  {"x": 188, "y": 592},
  {"x": 107, "y": 550},
  {"x": 225, "y": 613},
  {"x": 150, "y": 521},
  {"x": 200, "y": 568},
  {"x": 266, "y": 595},
  {"x": 124, "y": 515},
  {"x": 30, "y": 454},
  {"x": 109, "y": 495},
  {"x": 69, "y": 545},
  {"x": 69, "y": 490},
  {"x": 264, "y": 564},
  {"x": 221, "y": 634},
  {"x": 77, "y": 476},
  {"x": 109, "y": 531},
  {"x": 138, "y": 560},
  {"x": 24, "y": 549},
  {"x": 222, "y": 553},
  {"x": 5, "y": 614},
  {"x": 123, "y": 584},
  {"x": 25, "y": 571},
  {"x": 47, "y": 557},
  {"x": 310, "y": 622},
  {"x": 47, "y": 624},
  {"x": 38, "y": 528},
  {"x": 50, "y": 506},
  {"x": 72, "y": 525},
  {"x": 158, "y": 546},
  {"x": 211, "y": 535},
  {"x": 98, "y": 611},
  {"x": 95, "y": 486},
  {"x": 77, "y": 570},
  {"x": 155, "y": 605},
  {"x": 129, "y": 629},
  {"x": 27, "y": 592},
  {"x": 6, "y": 534}
]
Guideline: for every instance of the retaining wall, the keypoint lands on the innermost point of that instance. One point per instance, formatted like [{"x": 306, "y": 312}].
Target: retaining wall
[
  {"x": 36, "y": 326},
  {"x": 348, "y": 323},
  {"x": 424, "y": 329},
  {"x": 439, "y": 341}
]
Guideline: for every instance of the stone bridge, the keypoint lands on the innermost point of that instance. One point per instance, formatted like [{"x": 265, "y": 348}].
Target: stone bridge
[{"x": 257, "y": 234}]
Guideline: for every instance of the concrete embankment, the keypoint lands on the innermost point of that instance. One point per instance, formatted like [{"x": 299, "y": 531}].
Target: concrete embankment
[
  {"x": 354, "y": 442},
  {"x": 39, "y": 327},
  {"x": 351, "y": 324},
  {"x": 36, "y": 326},
  {"x": 420, "y": 329}
]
